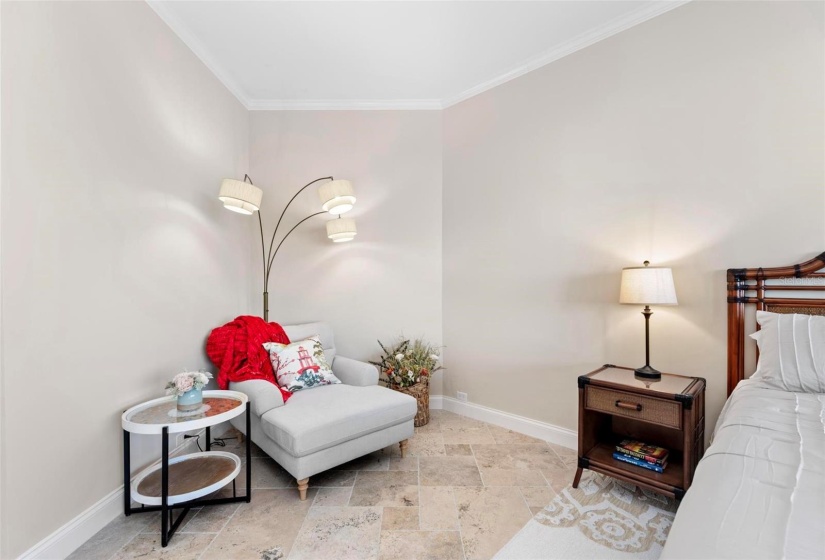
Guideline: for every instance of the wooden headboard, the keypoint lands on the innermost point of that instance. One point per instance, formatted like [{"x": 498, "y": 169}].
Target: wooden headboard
[{"x": 787, "y": 289}]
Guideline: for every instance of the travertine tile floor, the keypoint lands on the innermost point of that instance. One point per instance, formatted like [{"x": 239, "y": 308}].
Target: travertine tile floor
[{"x": 462, "y": 492}]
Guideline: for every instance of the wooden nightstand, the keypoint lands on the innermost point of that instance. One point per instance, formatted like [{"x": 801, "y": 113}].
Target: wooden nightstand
[{"x": 614, "y": 404}]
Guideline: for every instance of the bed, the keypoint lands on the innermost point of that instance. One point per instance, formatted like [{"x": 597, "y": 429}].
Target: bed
[{"x": 759, "y": 491}]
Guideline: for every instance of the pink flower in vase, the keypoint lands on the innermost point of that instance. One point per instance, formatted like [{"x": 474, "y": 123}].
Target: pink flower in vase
[{"x": 184, "y": 383}]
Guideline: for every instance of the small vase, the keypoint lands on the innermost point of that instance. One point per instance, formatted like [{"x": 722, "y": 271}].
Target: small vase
[{"x": 190, "y": 400}]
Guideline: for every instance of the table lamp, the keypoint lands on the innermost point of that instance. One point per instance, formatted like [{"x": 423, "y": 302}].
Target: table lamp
[{"x": 647, "y": 285}]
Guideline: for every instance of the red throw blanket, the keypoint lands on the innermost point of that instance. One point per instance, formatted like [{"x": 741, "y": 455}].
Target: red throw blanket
[{"x": 237, "y": 350}]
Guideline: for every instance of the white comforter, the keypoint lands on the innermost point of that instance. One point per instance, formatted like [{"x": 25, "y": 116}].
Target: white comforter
[{"x": 759, "y": 491}]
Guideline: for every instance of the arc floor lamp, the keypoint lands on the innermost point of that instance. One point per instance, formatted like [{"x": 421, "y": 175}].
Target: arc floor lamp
[{"x": 337, "y": 197}]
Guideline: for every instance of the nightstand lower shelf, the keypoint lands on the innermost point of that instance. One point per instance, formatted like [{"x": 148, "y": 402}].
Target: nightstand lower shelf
[{"x": 600, "y": 459}]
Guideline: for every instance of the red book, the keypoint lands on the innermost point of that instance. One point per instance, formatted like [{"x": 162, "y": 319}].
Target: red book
[{"x": 651, "y": 453}]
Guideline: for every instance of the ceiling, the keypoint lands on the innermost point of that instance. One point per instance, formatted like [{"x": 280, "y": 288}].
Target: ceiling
[{"x": 384, "y": 54}]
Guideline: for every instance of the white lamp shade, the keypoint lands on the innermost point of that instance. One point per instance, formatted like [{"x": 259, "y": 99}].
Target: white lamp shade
[
  {"x": 646, "y": 285},
  {"x": 342, "y": 229},
  {"x": 240, "y": 196},
  {"x": 337, "y": 197}
]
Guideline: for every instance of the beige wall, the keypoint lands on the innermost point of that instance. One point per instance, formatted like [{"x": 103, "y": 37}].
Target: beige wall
[
  {"x": 694, "y": 140},
  {"x": 116, "y": 256},
  {"x": 386, "y": 282}
]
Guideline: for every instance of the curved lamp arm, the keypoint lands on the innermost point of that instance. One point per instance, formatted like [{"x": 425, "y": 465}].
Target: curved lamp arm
[
  {"x": 272, "y": 241},
  {"x": 267, "y": 256},
  {"x": 248, "y": 179},
  {"x": 263, "y": 248},
  {"x": 272, "y": 259}
]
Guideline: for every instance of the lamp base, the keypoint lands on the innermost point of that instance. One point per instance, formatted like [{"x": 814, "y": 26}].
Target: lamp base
[{"x": 648, "y": 372}]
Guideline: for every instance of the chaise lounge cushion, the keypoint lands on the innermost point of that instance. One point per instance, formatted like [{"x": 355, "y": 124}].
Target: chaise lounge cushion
[{"x": 333, "y": 414}]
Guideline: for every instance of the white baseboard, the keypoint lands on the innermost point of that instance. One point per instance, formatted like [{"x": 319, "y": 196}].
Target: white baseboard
[
  {"x": 70, "y": 536},
  {"x": 528, "y": 426}
]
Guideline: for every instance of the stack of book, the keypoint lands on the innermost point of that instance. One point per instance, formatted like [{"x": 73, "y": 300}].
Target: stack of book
[{"x": 642, "y": 455}]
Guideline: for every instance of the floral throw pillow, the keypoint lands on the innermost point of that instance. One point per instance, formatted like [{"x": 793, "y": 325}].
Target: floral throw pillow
[{"x": 300, "y": 365}]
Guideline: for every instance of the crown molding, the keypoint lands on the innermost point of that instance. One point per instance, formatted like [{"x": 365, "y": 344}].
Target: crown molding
[
  {"x": 579, "y": 42},
  {"x": 195, "y": 45},
  {"x": 345, "y": 105},
  {"x": 569, "y": 47}
]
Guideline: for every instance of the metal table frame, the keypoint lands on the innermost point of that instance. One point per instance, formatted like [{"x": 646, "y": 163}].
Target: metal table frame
[{"x": 168, "y": 525}]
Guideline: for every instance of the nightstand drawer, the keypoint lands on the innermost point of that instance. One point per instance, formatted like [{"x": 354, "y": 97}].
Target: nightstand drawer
[{"x": 629, "y": 405}]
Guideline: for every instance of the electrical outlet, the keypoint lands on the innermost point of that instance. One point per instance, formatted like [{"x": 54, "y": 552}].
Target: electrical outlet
[
  {"x": 186, "y": 436},
  {"x": 461, "y": 396}
]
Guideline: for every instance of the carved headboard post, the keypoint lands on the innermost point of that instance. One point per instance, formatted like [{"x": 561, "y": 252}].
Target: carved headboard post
[
  {"x": 736, "y": 327},
  {"x": 751, "y": 285}
]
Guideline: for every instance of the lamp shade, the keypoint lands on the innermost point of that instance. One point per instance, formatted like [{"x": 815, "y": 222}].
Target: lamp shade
[
  {"x": 337, "y": 197},
  {"x": 342, "y": 229},
  {"x": 647, "y": 285},
  {"x": 240, "y": 196}
]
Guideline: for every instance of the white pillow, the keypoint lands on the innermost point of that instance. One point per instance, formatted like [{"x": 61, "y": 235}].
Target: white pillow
[
  {"x": 300, "y": 365},
  {"x": 791, "y": 351}
]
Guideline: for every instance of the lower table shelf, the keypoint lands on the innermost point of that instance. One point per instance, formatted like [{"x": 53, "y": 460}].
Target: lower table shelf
[{"x": 190, "y": 477}]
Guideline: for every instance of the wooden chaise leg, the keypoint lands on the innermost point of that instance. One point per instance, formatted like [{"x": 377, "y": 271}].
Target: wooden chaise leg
[
  {"x": 404, "y": 444},
  {"x": 302, "y": 488}
]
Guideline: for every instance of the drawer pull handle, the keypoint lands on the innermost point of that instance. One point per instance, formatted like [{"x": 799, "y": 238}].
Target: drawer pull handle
[{"x": 629, "y": 406}]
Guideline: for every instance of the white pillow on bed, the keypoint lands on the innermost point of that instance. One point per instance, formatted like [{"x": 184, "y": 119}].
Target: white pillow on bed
[{"x": 791, "y": 351}]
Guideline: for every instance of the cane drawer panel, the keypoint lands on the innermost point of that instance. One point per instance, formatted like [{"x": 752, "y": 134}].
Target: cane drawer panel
[{"x": 648, "y": 409}]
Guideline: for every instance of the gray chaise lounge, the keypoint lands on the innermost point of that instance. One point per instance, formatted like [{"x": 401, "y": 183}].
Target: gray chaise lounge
[{"x": 324, "y": 427}]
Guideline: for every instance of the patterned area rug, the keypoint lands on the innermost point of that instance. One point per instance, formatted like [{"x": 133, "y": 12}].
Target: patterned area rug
[{"x": 601, "y": 519}]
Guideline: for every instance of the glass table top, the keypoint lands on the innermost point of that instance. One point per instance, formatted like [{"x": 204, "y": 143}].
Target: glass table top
[
  {"x": 167, "y": 412},
  {"x": 668, "y": 383},
  {"x": 153, "y": 416}
]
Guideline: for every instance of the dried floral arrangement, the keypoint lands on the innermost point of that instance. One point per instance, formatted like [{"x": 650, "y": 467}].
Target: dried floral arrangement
[
  {"x": 406, "y": 362},
  {"x": 186, "y": 381}
]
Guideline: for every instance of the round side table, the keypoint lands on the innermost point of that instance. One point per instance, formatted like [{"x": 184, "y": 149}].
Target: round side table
[{"x": 178, "y": 483}]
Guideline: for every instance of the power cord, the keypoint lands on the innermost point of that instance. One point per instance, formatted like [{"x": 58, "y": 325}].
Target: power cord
[{"x": 217, "y": 442}]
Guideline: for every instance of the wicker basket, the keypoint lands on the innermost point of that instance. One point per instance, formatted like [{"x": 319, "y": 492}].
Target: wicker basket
[{"x": 421, "y": 392}]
